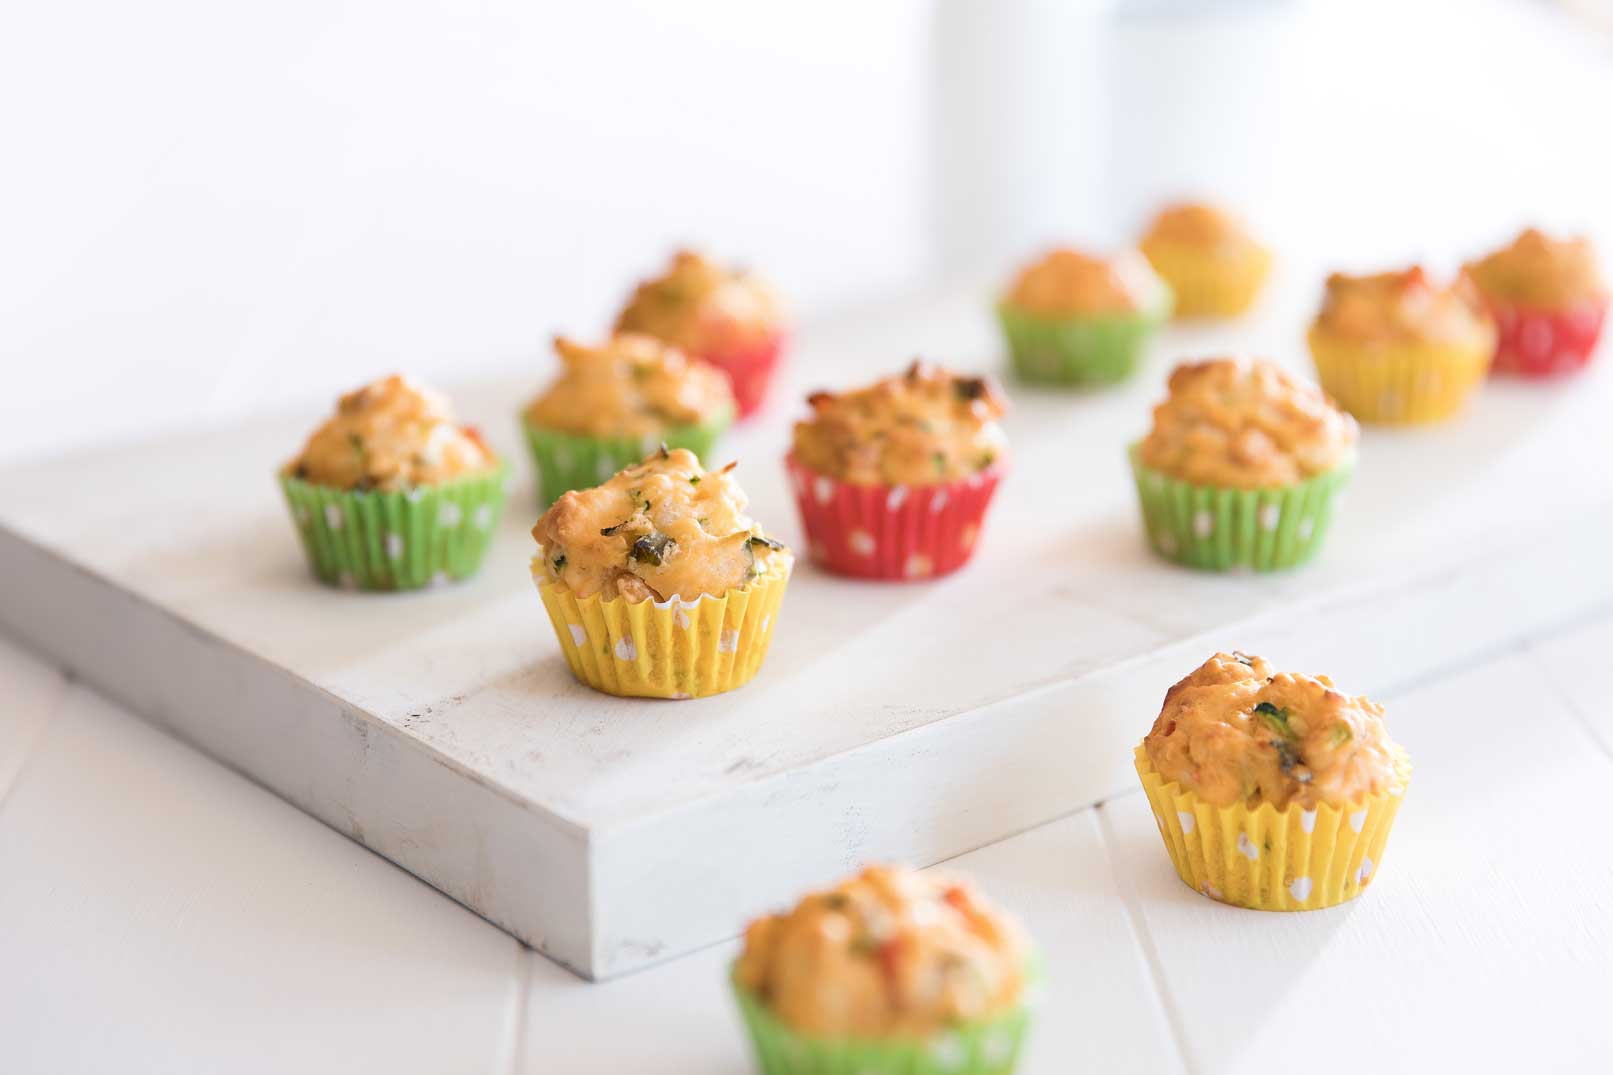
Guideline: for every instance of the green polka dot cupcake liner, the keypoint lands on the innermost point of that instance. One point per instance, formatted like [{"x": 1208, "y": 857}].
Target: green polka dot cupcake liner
[
  {"x": 1222, "y": 529},
  {"x": 397, "y": 540},
  {"x": 1085, "y": 350},
  {"x": 986, "y": 1047},
  {"x": 568, "y": 461}
]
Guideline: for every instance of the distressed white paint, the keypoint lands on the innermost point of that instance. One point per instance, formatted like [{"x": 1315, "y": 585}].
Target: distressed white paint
[
  {"x": 30, "y": 693},
  {"x": 210, "y": 927},
  {"x": 148, "y": 876},
  {"x": 444, "y": 730}
]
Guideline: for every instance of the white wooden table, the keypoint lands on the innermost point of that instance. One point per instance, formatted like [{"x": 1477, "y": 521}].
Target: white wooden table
[{"x": 160, "y": 914}]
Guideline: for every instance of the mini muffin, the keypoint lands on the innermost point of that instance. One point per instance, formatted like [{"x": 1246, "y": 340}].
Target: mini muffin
[
  {"x": 725, "y": 316},
  {"x": 1549, "y": 300},
  {"x": 392, "y": 493},
  {"x": 1241, "y": 466},
  {"x": 613, "y": 404},
  {"x": 1075, "y": 319},
  {"x": 892, "y": 972},
  {"x": 893, "y": 480},
  {"x": 1214, "y": 266},
  {"x": 657, "y": 582},
  {"x": 1273, "y": 790},
  {"x": 1398, "y": 348}
]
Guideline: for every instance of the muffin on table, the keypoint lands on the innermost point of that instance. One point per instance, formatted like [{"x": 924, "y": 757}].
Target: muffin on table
[
  {"x": 891, "y": 972},
  {"x": 1214, "y": 267},
  {"x": 725, "y": 316},
  {"x": 1077, "y": 319},
  {"x": 1548, "y": 298},
  {"x": 1273, "y": 790},
  {"x": 1396, "y": 347},
  {"x": 1241, "y": 466},
  {"x": 612, "y": 404},
  {"x": 657, "y": 582},
  {"x": 392, "y": 492},
  {"x": 893, "y": 480}
]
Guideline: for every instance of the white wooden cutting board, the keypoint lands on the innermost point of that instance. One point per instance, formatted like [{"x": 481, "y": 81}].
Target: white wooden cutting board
[{"x": 907, "y": 721}]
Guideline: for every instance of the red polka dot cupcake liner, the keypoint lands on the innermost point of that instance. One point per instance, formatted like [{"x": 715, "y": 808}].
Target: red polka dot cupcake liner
[
  {"x": 1533, "y": 342},
  {"x": 892, "y": 531},
  {"x": 750, "y": 370}
]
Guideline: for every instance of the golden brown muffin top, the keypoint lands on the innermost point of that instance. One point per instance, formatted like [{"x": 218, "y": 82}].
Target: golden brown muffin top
[
  {"x": 1537, "y": 270},
  {"x": 1405, "y": 306},
  {"x": 888, "y": 953},
  {"x": 926, "y": 426},
  {"x": 1236, "y": 732},
  {"x": 702, "y": 307},
  {"x": 629, "y": 386},
  {"x": 657, "y": 529},
  {"x": 1198, "y": 225},
  {"x": 1245, "y": 424},
  {"x": 394, "y": 433},
  {"x": 1064, "y": 282}
]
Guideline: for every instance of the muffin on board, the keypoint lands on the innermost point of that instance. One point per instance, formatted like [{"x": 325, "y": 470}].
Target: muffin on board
[
  {"x": 893, "y": 480},
  {"x": 1214, "y": 267},
  {"x": 1077, "y": 319},
  {"x": 1398, "y": 348},
  {"x": 1272, "y": 790},
  {"x": 1241, "y": 466},
  {"x": 392, "y": 492},
  {"x": 725, "y": 316},
  {"x": 1549, "y": 300},
  {"x": 657, "y": 582},
  {"x": 891, "y": 972},
  {"x": 614, "y": 403}
]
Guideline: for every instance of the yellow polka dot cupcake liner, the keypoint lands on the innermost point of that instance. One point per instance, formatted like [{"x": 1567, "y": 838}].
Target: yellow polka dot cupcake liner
[
  {"x": 1221, "y": 529},
  {"x": 1268, "y": 859},
  {"x": 990, "y": 1046},
  {"x": 1207, "y": 285},
  {"x": 397, "y": 540},
  {"x": 1400, "y": 383},
  {"x": 666, "y": 649}
]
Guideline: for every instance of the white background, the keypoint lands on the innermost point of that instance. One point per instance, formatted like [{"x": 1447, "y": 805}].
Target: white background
[
  {"x": 211, "y": 209},
  {"x": 207, "y": 210}
]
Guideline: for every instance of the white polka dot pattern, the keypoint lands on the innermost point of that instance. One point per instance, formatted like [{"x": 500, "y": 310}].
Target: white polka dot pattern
[{"x": 1247, "y": 849}]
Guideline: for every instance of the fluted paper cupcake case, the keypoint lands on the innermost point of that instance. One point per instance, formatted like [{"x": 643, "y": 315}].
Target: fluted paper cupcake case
[
  {"x": 1219, "y": 528},
  {"x": 1399, "y": 383},
  {"x": 567, "y": 461},
  {"x": 1205, "y": 285},
  {"x": 1086, "y": 349},
  {"x": 667, "y": 649},
  {"x": 892, "y": 531},
  {"x": 1532, "y": 342},
  {"x": 750, "y": 370},
  {"x": 986, "y": 1047},
  {"x": 1268, "y": 859},
  {"x": 397, "y": 540}
]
